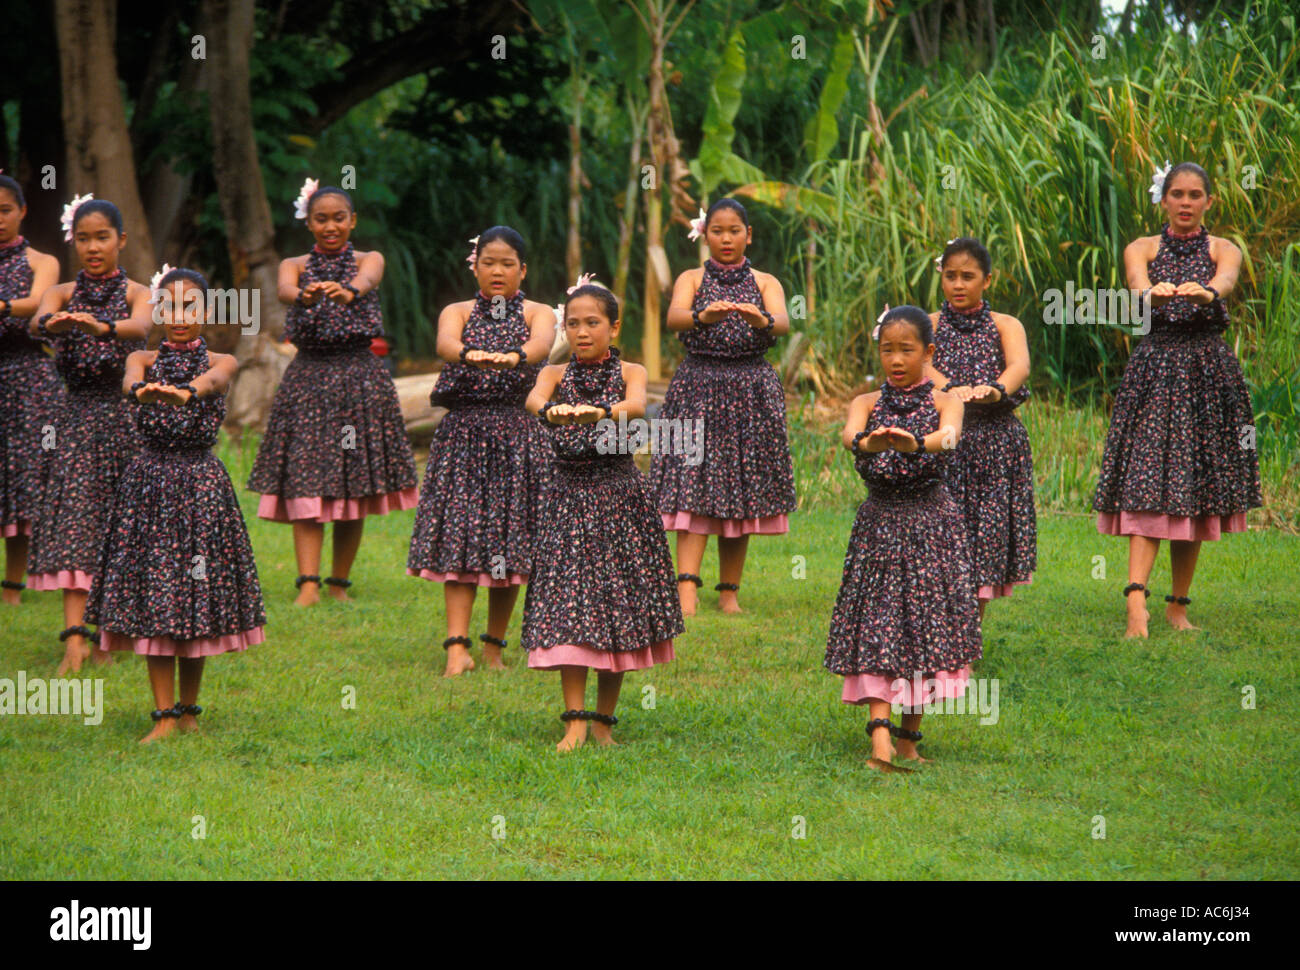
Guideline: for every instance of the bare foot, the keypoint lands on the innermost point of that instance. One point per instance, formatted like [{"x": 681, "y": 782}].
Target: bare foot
[
  {"x": 907, "y": 751},
  {"x": 308, "y": 595},
  {"x": 602, "y": 735},
  {"x": 727, "y": 601},
  {"x": 458, "y": 660},
  {"x": 101, "y": 658},
  {"x": 1176, "y": 614},
  {"x": 492, "y": 654},
  {"x": 187, "y": 724},
  {"x": 11, "y": 597},
  {"x": 340, "y": 594},
  {"x": 880, "y": 765},
  {"x": 160, "y": 730},
  {"x": 74, "y": 655},
  {"x": 575, "y": 735},
  {"x": 1138, "y": 616},
  {"x": 686, "y": 593}
]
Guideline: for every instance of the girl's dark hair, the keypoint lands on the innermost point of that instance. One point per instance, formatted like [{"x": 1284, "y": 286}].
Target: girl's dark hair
[
  {"x": 12, "y": 185},
  {"x": 607, "y": 300},
  {"x": 189, "y": 275},
  {"x": 727, "y": 203},
  {"x": 104, "y": 208},
  {"x": 973, "y": 248},
  {"x": 506, "y": 235},
  {"x": 912, "y": 316},
  {"x": 1186, "y": 167},
  {"x": 330, "y": 190}
]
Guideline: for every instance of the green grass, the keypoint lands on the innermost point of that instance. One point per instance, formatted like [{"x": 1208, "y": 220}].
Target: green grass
[{"x": 747, "y": 732}]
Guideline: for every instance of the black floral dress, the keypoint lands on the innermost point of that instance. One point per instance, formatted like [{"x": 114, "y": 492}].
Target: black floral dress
[
  {"x": 1180, "y": 459},
  {"x": 745, "y": 482},
  {"x": 489, "y": 463},
  {"x": 603, "y": 592},
  {"x": 906, "y": 626},
  {"x": 31, "y": 396},
  {"x": 176, "y": 576},
  {"x": 335, "y": 446},
  {"x": 92, "y": 441},
  {"x": 991, "y": 474}
]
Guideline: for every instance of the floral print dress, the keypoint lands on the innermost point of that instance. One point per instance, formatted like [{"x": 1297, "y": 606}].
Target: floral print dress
[
  {"x": 92, "y": 441},
  {"x": 176, "y": 576},
  {"x": 602, "y": 592},
  {"x": 991, "y": 474},
  {"x": 335, "y": 446},
  {"x": 31, "y": 397},
  {"x": 489, "y": 463},
  {"x": 1180, "y": 459},
  {"x": 745, "y": 482},
  {"x": 905, "y": 627}
]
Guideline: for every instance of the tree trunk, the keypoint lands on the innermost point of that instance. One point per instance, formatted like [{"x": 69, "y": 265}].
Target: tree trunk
[
  {"x": 573, "y": 251},
  {"x": 250, "y": 233},
  {"x": 627, "y": 219},
  {"x": 99, "y": 156}
]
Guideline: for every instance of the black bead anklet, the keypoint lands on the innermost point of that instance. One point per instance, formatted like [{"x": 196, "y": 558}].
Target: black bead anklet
[
  {"x": 335, "y": 581},
  {"x": 1135, "y": 586},
  {"x": 193, "y": 710},
  {"x": 464, "y": 640},
  {"x": 606, "y": 719},
  {"x": 733, "y": 587},
  {"x": 904, "y": 734},
  {"x": 880, "y": 722},
  {"x": 158, "y": 715},
  {"x": 495, "y": 641},
  {"x": 683, "y": 577},
  {"x": 10, "y": 584},
  {"x": 306, "y": 579},
  {"x": 77, "y": 631},
  {"x": 1180, "y": 600}
]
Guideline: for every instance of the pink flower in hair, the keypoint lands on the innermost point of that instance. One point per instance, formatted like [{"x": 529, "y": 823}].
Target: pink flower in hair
[
  {"x": 697, "y": 226},
  {"x": 155, "y": 287},
  {"x": 472, "y": 258},
  {"x": 70, "y": 211},
  {"x": 305, "y": 193},
  {"x": 583, "y": 280}
]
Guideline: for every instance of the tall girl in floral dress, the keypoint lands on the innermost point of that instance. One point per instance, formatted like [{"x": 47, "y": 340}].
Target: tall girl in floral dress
[
  {"x": 983, "y": 358},
  {"x": 93, "y": 324},
  {"x": 601, "y": 595},
  {"x": 31, "y": 393},
  {"x": 176, "y": 581},
  {"x": 489, "y": 463},
  {"x": 727, "y": 315},
  {"x": 1180, "y": 460},
  {"x": 335, "y": 448},
  {"x": 905, "y": 628}
]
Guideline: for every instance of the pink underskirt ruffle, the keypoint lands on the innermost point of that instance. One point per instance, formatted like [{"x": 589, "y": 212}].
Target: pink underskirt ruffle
[
  {"x": 188, "y": 649},
  {"x": 12, "y": 530},
  {"x": 63, "y": 579},
  {"x": 861, "y": 688},
  {"x": 477, "y": 579},
  {"x": 767, "y": 525},
  {"x": 317, "y": 509},
  {"x": 1182, "y": 528},
  {"x": 1005, "y": 589},
  {"x": 577, "y": 655}
]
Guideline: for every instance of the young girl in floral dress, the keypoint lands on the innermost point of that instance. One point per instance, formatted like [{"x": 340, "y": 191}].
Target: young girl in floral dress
[
  {"x": 93, "y": 324},
  {"x": 31, "y": 393},
  {"x": 1180, "y": 460},
  {"x": 601, "y": 595},
  {"x": 905, "y": 628},
  {"x": 983, "y": 358},
  {"x": 335, "y": 448},
  {"x": 176, "y": 581},
  {"x": 727, "y": 315},
  {"x": 489, "y": 463}
]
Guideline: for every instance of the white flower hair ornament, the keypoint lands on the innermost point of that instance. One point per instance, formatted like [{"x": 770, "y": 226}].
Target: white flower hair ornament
[
  {"x": 697, "y": 226},
  {"x": 70, "y": 212},
  {"x": 305, "y": 193},
  {"x": 155, "y": 283},
  {"x": 583, "y": 280},
  {"x": 1157, "y": 188},
  {"x": 472, "y": 258},
  {"x": 938, "y": 260},
  {"x": 875, "y": 334}
]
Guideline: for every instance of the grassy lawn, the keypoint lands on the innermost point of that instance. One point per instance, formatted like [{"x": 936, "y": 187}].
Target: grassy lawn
[{"x": 429, "y": 778}]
